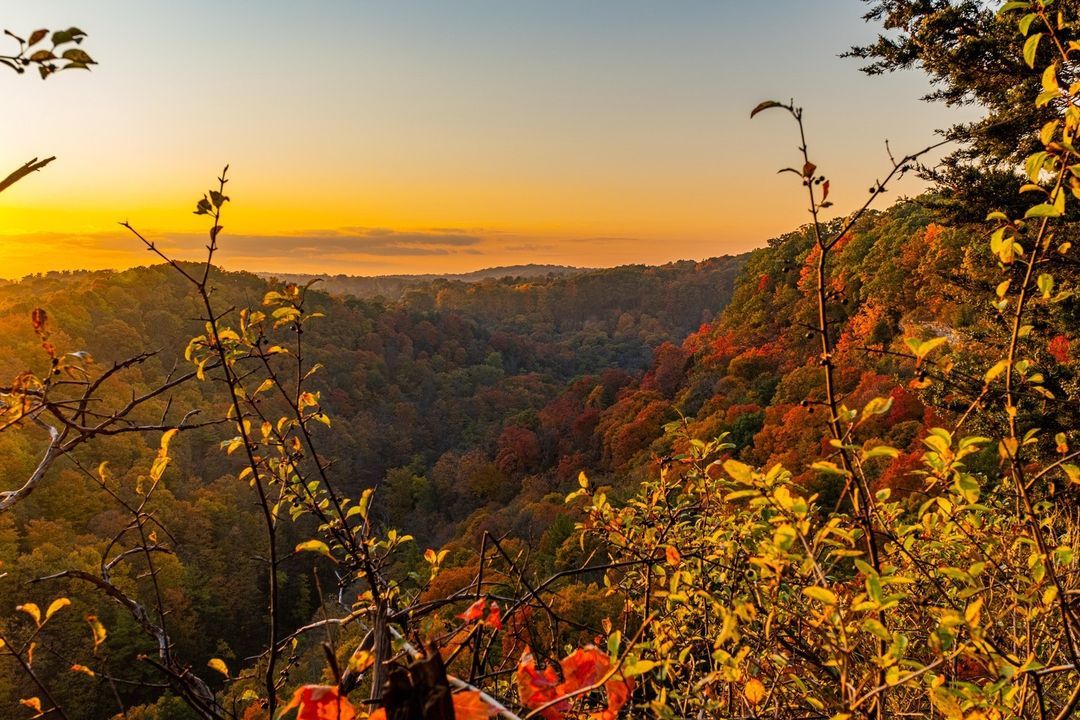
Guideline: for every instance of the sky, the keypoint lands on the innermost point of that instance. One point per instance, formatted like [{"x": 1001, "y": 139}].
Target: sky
[{"x": 377, "y": 136}]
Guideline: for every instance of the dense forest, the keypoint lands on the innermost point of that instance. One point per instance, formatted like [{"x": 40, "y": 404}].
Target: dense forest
[
  {"x": 833, "y": 478},
  {"x": 394, "y": 287}
]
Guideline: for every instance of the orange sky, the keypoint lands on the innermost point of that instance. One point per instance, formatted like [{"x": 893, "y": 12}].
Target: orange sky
[{"x": 423, "y": 136}]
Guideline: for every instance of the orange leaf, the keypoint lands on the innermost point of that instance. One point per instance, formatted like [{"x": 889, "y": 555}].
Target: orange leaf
[
  {"x": 618, "y": 693},
  {"x": 754, "y": 691},
  {"x": 536, "y": 688},
  {"x": 494, "y": 617},
  {"x": 475, "y": 611},
  {"x": 320, "y": 702},
  {"x": 583, "y": 667},
  {"x": 469, "y": 705},
  {"x": 673, "y": 556},
  {"x": 33, "y": 703}
]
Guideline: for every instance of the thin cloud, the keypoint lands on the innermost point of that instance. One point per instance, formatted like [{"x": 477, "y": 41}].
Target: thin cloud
[
  {"x": 350, "y": 249},
  {"x": 341, "y": 243}
]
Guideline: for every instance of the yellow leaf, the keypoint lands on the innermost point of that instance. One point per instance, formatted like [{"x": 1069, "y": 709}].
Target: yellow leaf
[
  {"x": 829, "y": 468},
  {"x": 219, "y": 665},
  {"x": 361, "y": 661},
  {"x": 995, "y": 371},
  {"x": 877, "y": 406},
  {"x": 97, "y": 630},
  {"x": 32, "y": 610},
  {"x": 317, "y": 546},
  {"x": 927, "y": 347},
  {"x": 158, "y": 468},
  {"x": 973, "y": 611},
  {"x": 739, "y": 471},
  {"x": 166, "y": 438},
  {"x": 1050, "y": 79},
  {"x": 880, "y": 451},
  {"x": 56, "y": 606},
  {"x": 820, "y": 594},
  {"x": 82, "y": 669}
]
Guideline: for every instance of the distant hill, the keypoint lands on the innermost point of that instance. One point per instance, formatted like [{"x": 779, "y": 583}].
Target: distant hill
[{"x": 393, "y": 287}]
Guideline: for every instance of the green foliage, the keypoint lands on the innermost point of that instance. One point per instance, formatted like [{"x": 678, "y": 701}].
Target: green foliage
[
  {"x": 48, "y": 52},
  {"x": 975, "y": 57}
]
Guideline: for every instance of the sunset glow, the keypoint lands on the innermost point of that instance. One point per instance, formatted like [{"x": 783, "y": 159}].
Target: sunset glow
[{"x": 372, "y": 137}]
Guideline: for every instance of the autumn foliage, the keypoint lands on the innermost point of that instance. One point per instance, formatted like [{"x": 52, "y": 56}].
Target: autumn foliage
[{"x": 843, "y": 486}]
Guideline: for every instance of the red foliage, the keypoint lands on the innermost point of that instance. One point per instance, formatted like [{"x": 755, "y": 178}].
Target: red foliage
[
  {"x": 449, "y": 581},
  {"x": 477, "y": 610},
  {"x": 584, "y": 668},
  {"x": 570, "y": 465},
  {"x": 860, "y": 328},
  {"x": 722, "y": 348},
  {"x": 808, "y": 272},
  {"x": 913, "y": 254},
  {"x": 905, "y": 406},
  {"x": 899, "y": 476},
  {"x": 518, "y": 450},
  {"x": 755, "y": 362},
  {"x": 626, "y": 439},
  {"x": 539, "y": 687},
  {"x": 696, "y": 341},
  {"x": 669, "y": 369},
  {"x": 584, "y": 425},
  {"x": 1059, "y": 347},
  {"x": 735, "y": 411}
]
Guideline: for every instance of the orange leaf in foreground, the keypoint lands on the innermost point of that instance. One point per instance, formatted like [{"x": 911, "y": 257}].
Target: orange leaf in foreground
[
  {"x": 320, "y": 702},
  {"x": 469, "y": 705},
  {"x": 754, "y": 691},
  {"x": 618, "y": 693},
  {"x": 536, "y": 688},
  {"x": 584, "y": 668}
]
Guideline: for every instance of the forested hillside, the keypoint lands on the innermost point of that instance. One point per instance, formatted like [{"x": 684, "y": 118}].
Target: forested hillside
[
  {"x": 436, "y": 399},
  {"x": 394, "y": 287},
  {"x": 474, "y": 407},
  {"x": 751, "y": 374}
]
